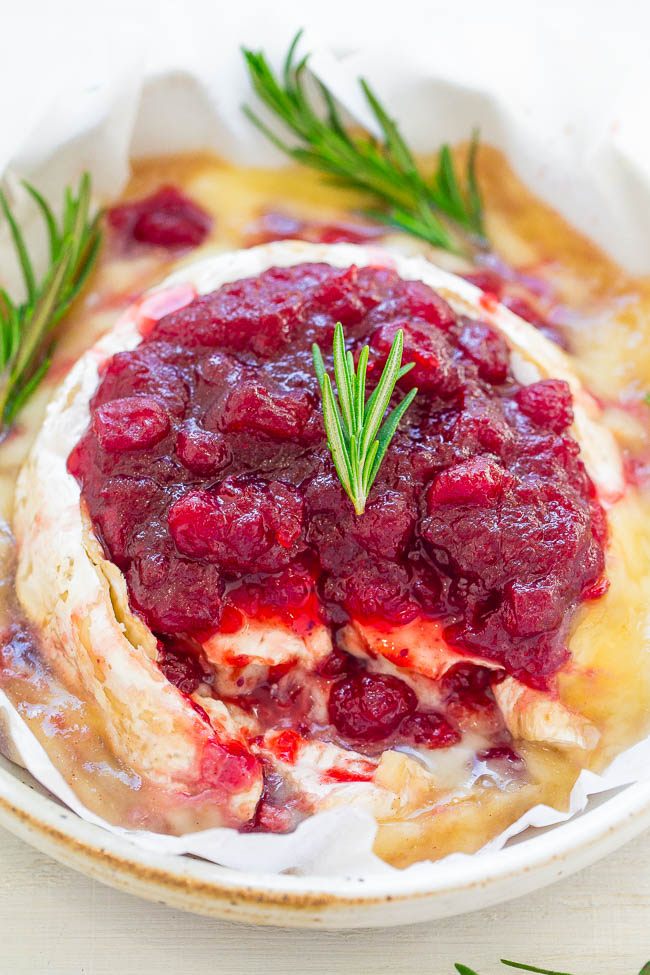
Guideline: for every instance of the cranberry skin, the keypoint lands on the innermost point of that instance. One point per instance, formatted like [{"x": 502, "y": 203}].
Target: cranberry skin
[
  {"x": 487, "y": 280},
  {"x": 274, "y": 225},
  {"x": 166, "y": 219},
  {"x": 145, "y": 370},
  {"x": 429, "y": 729},
  {"x": 253, "y": 407},
  {"x": 155, "y": 582},
  {"x": 532, "y": 609},
  {"x": 228, "y": 767},
  {"x": 369, "y": 707},
  {"x": 378, "y": 589},
  {"x": 466, "y": 682},
  {"x": 131, "y": 423},
  {"x": 334, "y": 665},
  {"x": 478, "y": 481},
  {"x": 201, "y": 451},
  {"x": 269, "y": 818},
  {"x": 435, "y": 369},
  {"x": 242, "y": 525},
  {"x": 291, "y": 588},
  {"x": 424, "y": 303},
  {"x": 387, "y": 525},
  {"x": 122, "y": 500},
  {"x": 482, "y": 515},
  {"x": 180, "y": 668},
  {"x": 548, "y": 403},
  {"x": 240, "y": 317},
  {"x": 487, "y": 348}
]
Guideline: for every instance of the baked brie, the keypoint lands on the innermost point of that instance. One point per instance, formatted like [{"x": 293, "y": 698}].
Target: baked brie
[{"x": 191, "y": 565}]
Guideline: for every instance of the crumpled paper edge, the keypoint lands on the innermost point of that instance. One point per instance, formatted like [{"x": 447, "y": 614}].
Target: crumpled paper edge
[{"x": 333, "y": 843}]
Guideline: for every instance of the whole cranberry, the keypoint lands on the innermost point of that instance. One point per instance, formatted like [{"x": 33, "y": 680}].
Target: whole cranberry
[
  {"x": 243, "y": 524},
  {"x": 202, "y": 451},
  {"x": 131, "y": 423},
  {"x": 548, "y": 403},
  {"x": 369, "y": 707},
  {"x": 477, "y": 481},
  {"x": 167, "y": 219},
  {"x": 180, "y": 667},
  {"x": 429, "y": 729},
  {"x": 487, "y": 348}
]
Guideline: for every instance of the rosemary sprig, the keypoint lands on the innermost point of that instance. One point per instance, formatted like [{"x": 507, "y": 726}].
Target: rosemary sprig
[
  {"x": 464, "y": 970},
  {"x": 529, "y": 968},
  {"x": 445, "y": 210},
  {"x": 356, "y": 436},
  {"x": 26, "y": 343}
]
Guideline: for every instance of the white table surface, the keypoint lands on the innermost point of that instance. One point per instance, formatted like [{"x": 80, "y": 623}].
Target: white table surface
[{"x": 56, "y": 922}]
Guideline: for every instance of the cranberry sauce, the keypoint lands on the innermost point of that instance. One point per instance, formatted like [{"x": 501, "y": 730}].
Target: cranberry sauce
[
  {"x": 167, "y": 219},
  {"x": 374, "y": 711},
  {"x": 208, "y": 479},
  {"x": 274, "y": 225},
  {"x": 526, "y": 295}
]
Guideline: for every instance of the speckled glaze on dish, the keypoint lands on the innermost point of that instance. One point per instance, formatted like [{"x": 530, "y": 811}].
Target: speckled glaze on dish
[{"x": 280, "y": 900}]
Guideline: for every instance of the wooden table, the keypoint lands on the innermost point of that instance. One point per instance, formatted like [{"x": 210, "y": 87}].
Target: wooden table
[{"x": 56, "y": 922}]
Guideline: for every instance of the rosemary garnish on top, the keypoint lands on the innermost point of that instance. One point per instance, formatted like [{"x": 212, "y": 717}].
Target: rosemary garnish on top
[
  {"x": 26, "y": 340},
  {"x": 356, "y": 436},
  {"x": 445, "y": 210}
]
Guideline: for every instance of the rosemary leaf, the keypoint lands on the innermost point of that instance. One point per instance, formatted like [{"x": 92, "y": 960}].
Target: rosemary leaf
[
  {"x": 49, "y": 218},
  {"x": 446, "y": 211},
  {"x": 361, "y": 383},
  {"x": 378, "y": 402},
  {"x": 319, "y": 365},
  {"x": 387, "y": 430},
  {"x": 335, "y": 438},
  {"x": 356, "y": 436},
  {"x": 21, "y": 250},
  {"x": 368, "y": 476},
  {"x": 343, "y": 379},
  {"x": 530, "y": 968}
]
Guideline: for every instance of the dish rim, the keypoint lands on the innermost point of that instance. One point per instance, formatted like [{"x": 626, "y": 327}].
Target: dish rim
[{"x": 536, "y": 861}]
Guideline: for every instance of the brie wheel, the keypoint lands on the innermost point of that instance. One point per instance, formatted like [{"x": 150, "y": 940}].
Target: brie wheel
[{"x": 78, "y": 604}]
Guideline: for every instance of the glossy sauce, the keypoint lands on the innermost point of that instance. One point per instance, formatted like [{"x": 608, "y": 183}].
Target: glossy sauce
[{"x": 599, "y": 313}]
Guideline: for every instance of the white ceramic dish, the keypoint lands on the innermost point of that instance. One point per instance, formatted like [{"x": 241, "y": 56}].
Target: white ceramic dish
[{"x": 319, "y": 902}]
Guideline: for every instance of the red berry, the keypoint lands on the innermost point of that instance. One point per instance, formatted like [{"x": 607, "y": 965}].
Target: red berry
[
  {"x": 479, "y": 481},
  {"x": 369, "y": 707},
  {"x": 500, "y": 753},
  {"x": 180, "y": 667},
  {"x": 167, "y": 219},
  {"x": 202, "y": 451},
  {"x": 487, "y": 348},
  {"x": 245, "y": 525},
  {"x": 131, "y": 423},
  {"x": 548, "y": 403},
  {"x": 429, "y": 729}
]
